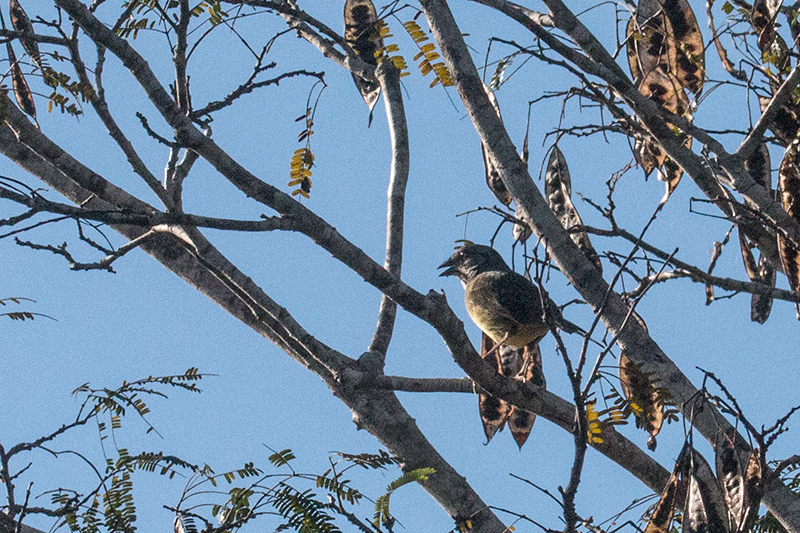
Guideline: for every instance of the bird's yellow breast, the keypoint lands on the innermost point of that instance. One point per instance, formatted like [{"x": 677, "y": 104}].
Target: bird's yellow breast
[{"x": 505, "y": 307}]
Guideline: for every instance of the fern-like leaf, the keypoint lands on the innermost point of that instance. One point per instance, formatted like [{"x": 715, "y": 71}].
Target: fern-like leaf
[
  {"x": 382, "y": 514},
  {"x": 428, "y": 56}
]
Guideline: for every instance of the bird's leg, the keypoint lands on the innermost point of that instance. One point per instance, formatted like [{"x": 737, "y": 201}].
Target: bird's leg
[{"x": 496, "y": 346}]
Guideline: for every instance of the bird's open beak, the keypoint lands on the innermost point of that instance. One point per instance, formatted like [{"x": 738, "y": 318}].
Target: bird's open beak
[{"x": 452, "y": 271}]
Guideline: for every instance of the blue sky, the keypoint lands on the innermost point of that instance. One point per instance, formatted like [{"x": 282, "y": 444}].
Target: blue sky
[{"x": 145, "y": 321}]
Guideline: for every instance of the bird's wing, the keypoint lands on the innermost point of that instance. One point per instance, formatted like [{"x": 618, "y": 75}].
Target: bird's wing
[{"x": 517, "y": 297}]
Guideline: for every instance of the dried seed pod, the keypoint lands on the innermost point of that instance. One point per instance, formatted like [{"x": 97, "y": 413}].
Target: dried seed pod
[
  {"x": 558, "y": 189},
  {"x": 493, "y": 180},
  {"x": 664, "y": 35},
  {"x": 361, "y": 32},
  {"x": 22, "y": 24},
  {"x": 664, "y": 89},
  {"x": 494, "y": 411},
  {"x": 739, "y": 475},
  {"x": 22, "y": 91},
  {"x": 762, "y": 18},
  {"x": 789, "y": 184},
  {"x": 643, "y": 397},
  {"x": 762, "y": 271},
  {"x": 523, "y": 364},
  {"x": 520, "y": 422},
  {"x": 705, "y": 510},
  {"x": 661, "y": 518}
]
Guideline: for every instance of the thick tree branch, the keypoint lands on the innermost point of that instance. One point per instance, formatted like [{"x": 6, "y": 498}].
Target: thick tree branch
[{"x": 537, "y": 400}]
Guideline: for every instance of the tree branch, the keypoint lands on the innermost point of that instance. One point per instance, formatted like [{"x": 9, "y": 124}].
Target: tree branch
[{"x": 389, "y": 78}]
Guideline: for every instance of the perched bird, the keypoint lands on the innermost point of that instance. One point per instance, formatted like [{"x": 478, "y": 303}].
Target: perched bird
[
  {"x": 508, "y": 309},
  {"x": 506, "y": 306}
]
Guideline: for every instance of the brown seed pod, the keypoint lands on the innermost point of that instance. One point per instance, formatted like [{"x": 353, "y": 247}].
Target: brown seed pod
[
  {"x": 520, "y": 422},
  {"x": 361, "y": 32},
  {"x": 494, "y": 411},
  {"x": 493, "y": 180},
  {"x": 705, "y": 509},
  {"x": 664, "y": 35},
  {"x": 643, "y": 398},
  {"x": 558, "y": 190},
  {"x": 762, "y": 18},
  {"x": 789, "y": 185},
  {"x": 22, "y": 91},
  {"x": 22, "y": 24},
  {"x": 661, "y": 518}
]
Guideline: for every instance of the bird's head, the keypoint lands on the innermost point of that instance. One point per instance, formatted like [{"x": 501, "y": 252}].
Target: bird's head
[{"x": 471, "y": 260}]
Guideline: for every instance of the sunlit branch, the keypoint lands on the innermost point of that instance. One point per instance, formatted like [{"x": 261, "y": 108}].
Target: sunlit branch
[{"x": 389, "y": 78}]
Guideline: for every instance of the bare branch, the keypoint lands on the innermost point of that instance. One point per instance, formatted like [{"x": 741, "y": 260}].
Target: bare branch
[{"x": 389, "y": 78}]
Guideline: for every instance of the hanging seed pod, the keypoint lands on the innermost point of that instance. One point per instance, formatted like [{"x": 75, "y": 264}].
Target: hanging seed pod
[
  {"x": 789, "y": 184},
  {"x": 739, "y": 475},
  {"x": 22, "y": 91},
  {"x": 520, "y": 422},
  {"x": 664, "y": 511},
  {"x": 494, "y": 411},
  {"x": 558, "y": 190},
  {"x": 643, "y": 398},
  {"x": 22, "y": 24},
  {"x": 361, "y": 32},
  {"x": 493, "y": 180},
  {"x": 664, "y": 35},
  {"x": 705, "y": 510},
  {"x": 762, "y": 18}
]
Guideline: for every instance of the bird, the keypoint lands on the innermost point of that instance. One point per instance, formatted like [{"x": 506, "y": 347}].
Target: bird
[
  {"x": 508, "y": 309},
  {"x": 506, "y": 306}
]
